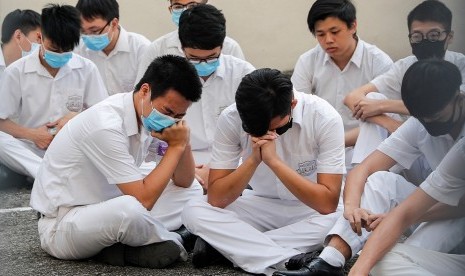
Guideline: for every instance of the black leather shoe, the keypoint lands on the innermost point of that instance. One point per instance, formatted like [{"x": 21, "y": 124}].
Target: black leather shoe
[
  {"x": 316, "y": 266},
  {"x": 205, "y": 255},
  {"x": 298, "y": 261},
  {"x": 188, "y": 239}
]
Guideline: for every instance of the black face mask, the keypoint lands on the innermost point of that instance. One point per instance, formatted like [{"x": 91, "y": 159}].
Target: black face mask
[
  {"x": 441, "y": 128},
  {"x": 284, "y": 128},
  {"x": 427, "y": 49}
]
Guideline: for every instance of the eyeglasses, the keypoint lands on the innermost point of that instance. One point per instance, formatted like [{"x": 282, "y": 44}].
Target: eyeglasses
[
  {"x": 206, "y": 60},
  {"x": 431, "y": 36},
  {"x": 97, "y": 32},
  {"x": 176, "y": 7}
]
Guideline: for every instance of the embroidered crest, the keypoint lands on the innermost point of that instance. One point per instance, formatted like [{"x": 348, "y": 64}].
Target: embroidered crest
[
  {"x": 74, "y": 103},
  {"x": 306, "y": 168}
]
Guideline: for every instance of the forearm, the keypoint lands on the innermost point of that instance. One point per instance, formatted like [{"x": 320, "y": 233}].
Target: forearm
[
  {"x": 185, "y": 171},
  {"x": 394, "y": 106},
  {"x": 15, "y": 130},
  {"x": 355, "y": 184},
  {"x": 356, "y": 95},
  {"x": 441, "y": 211},
  {"x": 385, "y": 122},
  {"x": 322, "y": 198},
  {"x": 225, "y": 190}
]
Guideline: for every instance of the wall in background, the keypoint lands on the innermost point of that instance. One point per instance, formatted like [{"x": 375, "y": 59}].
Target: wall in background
[{"x": 274, "y": 33}]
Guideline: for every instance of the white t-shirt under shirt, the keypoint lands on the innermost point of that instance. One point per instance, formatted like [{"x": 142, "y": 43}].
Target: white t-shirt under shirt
[
  {"x": 99, "y": 148},
  {"x": 316, "y": 73},
  {"x": 314, "y": 144}
]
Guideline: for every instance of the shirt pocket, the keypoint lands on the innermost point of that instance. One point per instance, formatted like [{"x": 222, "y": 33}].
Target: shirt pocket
[{"x": 73, "y": 99}]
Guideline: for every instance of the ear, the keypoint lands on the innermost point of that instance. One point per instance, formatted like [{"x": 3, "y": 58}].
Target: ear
[
  {"x": 450, "y": 37},
  {"x": 354, "y": 27},
  {"x": 115, "y": 22},
  {"x": 145, "y": 90},
  {"x": 293, "y": 103},
  {"x": 17, "y": 35}
]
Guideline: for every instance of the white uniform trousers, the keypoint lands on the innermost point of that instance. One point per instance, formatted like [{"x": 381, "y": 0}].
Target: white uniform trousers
[
  {"x": 258, "y": 233},
  {"x": 413, "y": 261},
  {"x": 81, "y": 232},
  {"x": 20, "y": 156},
  {"x": 370, "y": 135},
  {"x": 385, "y": 190}
]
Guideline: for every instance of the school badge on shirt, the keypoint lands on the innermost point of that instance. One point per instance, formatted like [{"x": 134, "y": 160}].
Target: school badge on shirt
[
  {"x": 74, "y": 103},
  {"x": 306, "y": 168}
]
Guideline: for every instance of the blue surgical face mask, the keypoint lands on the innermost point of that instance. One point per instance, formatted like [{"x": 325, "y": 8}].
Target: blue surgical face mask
[
  {"x": 156, "y": 121},
  {"x": 34, "y": 46},
  {"x": 96, "y": 42},
  {"x": 57, "y": 60},
  {"x": 206, "y": 69},
  {"x": 175, "y": 16}
]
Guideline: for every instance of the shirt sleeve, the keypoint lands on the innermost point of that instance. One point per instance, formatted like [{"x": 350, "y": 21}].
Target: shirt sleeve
[
  {"x": 402, "y": 145},
  {"x": 10, "y": 93},
  {"x": 447, "y": 183},
  {"x": 390, "y": 82},
  {"x": 149, "y": 55},
  {"x": 95, "y": 88},
  {"x": 226, "y": 149},
  {"x": 108, "y": 150},
  {"x": 233, "y": 48},
  {"x": 302, "y": 75}
]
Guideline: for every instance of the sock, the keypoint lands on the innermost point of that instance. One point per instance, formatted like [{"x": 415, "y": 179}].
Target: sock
[{"x": 333, "y": 257}]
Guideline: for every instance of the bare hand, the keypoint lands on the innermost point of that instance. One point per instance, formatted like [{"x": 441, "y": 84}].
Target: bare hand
[
  {"x": 357, "y": 218},
  {"x": 176, "y": 135},
  {"x": 60, "y": 123},
  {"x": 268, "y": 149},
  {"x": 201, "y": 174},
  {"x": 41, "y": 137},
  {"x": 366, "y": 108},
  {"x": 373, "y": 221}
]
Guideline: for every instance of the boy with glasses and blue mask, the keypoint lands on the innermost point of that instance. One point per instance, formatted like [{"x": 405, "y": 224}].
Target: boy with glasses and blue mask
[
  {"x": 170, "y": 44},
  {"x": 44, "y": 90},
  {"x": 202, "y": 32},
  {"x": 382, "y": 112},
  {"x": 93, "y": 199},
  {"x": 116, "y": 52},
  {"x": 292, "y": 150}
]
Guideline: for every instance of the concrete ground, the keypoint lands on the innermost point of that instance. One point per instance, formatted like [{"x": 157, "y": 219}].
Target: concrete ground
[{"x": 20, "y": 252}]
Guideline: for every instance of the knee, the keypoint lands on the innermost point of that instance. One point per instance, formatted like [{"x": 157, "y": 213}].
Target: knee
[
  {"x": 130, "y": 208},
  {"x": 376, "y": 96},
  {"x": 192, "y": 211}
]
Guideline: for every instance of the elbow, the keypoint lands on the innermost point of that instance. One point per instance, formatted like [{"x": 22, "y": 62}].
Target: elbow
[
  {"x": 329, "y": 207},
  {"x": 217, "y": 202}
]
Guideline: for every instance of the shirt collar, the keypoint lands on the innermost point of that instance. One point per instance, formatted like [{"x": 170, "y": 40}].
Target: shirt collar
[
  {"x": 130, "y": 114},
  {"x": 122, "y": 44},
  {"x": 356, "y": 56},
  {"x": 297, "y": 111},
  {"x": 2, "y": 59},
  {"x": 32, "y": 64}
]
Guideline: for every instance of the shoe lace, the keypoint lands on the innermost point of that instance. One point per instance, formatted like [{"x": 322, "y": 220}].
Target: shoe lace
[{"x": 298, "y": 261}]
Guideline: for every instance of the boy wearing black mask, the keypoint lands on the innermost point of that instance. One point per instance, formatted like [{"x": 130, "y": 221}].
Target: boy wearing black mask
[{"x": 430, "y": 34}]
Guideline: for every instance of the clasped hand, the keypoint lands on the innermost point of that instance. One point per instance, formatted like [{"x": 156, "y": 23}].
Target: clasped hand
[{"x": 362, "y": 218}]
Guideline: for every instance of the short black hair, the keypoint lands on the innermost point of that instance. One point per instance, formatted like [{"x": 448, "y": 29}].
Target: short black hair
[
  {"x": 172, "y": 72},
  {"x": 62, "y": 25},
  {"x": 106, "y": 9},
  {"x": 322, "y": 9},
  {"x": 261, "y": 96},
  {"x": 431, "y": 10},
  {"x": 202, "y": 27},
  {"x": 24, "y": 20},
  {"x": 429, "y": 85}
]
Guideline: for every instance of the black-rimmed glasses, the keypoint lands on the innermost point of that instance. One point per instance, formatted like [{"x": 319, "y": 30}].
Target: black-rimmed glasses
[{"x": 431, "y": 36}]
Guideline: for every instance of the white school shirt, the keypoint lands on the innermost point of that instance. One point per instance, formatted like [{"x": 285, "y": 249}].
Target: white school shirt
[
  {"x": 119, "y": 68},
  {"x": 29, "y": 91},
  {"x": 447, "y": 183},
  {"x": 314, "y": 144},
  {"x": 411, "y": 140},
  {"x": 218, "y": 92},
  {"x": 390, "y": 83},
  {"x": 316, "y": 73},
  {"x": 96, "y": 150},
  {"x": 170, "y": 44},
  {"x": 2, "y": 64}
]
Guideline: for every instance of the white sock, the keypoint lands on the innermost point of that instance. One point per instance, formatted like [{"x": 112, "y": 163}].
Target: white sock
[{"x": 333, "y": 257}]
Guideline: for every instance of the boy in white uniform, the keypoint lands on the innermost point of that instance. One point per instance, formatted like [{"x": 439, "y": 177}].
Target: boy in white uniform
[
  {"x": 90, "y": 191},
  {"x": 44, "y": 90},
  {"x": 445, "y": 185},
  {"x": 202, "y": 31},
  {"x": 371, "y": 192},
  {"x": 340, "y": 63},
  {"x": 116, "y": 52},
  {"x": 20, "y": 34},
  {"x": 292, "y": 149},
  {"x": 429, "y": 25},
  {"x": 170, "y": 44}
]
